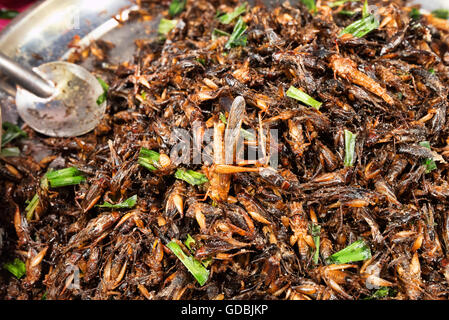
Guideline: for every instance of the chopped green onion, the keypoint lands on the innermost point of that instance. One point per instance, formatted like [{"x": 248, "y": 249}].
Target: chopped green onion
[
  {"x": 441, "y": 13},
  {"x": 432, "y": 70},
  {"x": 229, "y": 17},
  {"x": 223, "y": 118},
  {"x": 300, "y": 95},
  {"x": 104, "y": 95},
  {"x": 17, "y": 268},
  {"x": 415, "y": 14},
  {"x": 191, "y": 177},
  {"x": 428, "y": 163},
  {"x": 44, "y": 296},
  {"x": 206, "y": 262},
  {"x": 346, "y": 12},
  {"x": 195, "y": 267},
  {"x": 143, "y": 94},
  {"x": 165, "y": 26},
  {"x": 315, "y": 230},
  {"x": 365, "y": 12},
  {"x": 237, "y": 38},
  {"x": 310, "y": 4},
  {"x": 149, "y": 159},
  {"x": 361, "y": 27},
  {"x": 11, "y": 132},
  {"x": 176, "y": 7},
  {"x": 202, "y": 61},
  {"x": 63, "y": 173},
  {"x": 340, "y": 2},
  {"x": 8, "y": 14},
  {"x": 103, "y": 84},
  {"x": 32, "y": 205},
  {"x": 10, "y": 152},
  {"x": 127, "y": 204},
  {"x": 217, "y": 33},
  {"x": 64, "y": 177},
  {"x": 189, "y": 242},
  {"x": 64, "y": 182},
  {"x": 383, "y": 292},
  {"x": 357, "y": 251},
  {"x": 350, "y": 140}
]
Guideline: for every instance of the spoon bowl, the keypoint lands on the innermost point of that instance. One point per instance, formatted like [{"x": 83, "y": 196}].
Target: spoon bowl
[{"x": 71, "y": 110}]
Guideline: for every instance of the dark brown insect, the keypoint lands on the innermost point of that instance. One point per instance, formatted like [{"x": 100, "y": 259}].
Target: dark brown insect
[{"x": 284, "y": 191}]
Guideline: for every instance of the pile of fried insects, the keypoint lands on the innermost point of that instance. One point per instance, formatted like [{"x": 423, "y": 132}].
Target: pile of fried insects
[{"x": 349, "y": 96}]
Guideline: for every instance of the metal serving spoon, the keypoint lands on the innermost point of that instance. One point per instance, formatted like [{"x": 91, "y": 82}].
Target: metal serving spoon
[{"x": 58, "y": 99}]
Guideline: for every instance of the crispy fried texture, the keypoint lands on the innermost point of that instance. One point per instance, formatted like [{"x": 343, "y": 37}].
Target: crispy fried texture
[{"x": 250, "y": 222}]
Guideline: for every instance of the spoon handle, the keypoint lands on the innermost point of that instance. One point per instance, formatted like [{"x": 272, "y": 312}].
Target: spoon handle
[{"x": 27, "y": 79}]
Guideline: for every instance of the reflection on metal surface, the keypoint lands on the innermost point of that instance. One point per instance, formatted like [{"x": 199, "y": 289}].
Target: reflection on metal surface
[
  {"x": 48, "y": 28},
  {"x": 103, "y": 29},
  {"x": 43, "y": 33},
  {"x": 72, "y": 110}
]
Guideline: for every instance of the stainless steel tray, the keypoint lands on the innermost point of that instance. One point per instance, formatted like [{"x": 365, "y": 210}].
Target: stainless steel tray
[{"x": 44, "y": 31}]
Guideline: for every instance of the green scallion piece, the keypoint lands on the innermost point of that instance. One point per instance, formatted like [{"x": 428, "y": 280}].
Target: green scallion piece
[
  {"x": 310, "y": 4},
  {"x": 382, "y": 292},
  {"x": 347, "y": 12},
  {"x": 415, "y": 14},
  {"x": 441, "y": 13},
  {"x": 365, "y": 12},
  {"x": 357, "y": 251},
  {"x": 176, "y": 7},
  {"x": 44, "y": 183},
  {"x": 149, "y": 159},
  {"x": 63, "y": 173},
  {"x": 127, "y": 204},
  {"x": 189, "y": 242},
  {"x": 300, "y": 95},
  {"x": 191, "y": 177},
  {"x": 102, "y": 98},
  {"x": 202, "y": 61},
  {"x": 227, "y": 18},
  {"x": 32, "y": 205},
  {"x": 10, "y": 152},
  {"x": 237, "y": 37},
  {"x": 217, "y": 33},
  {"x": 8, "y": 14},
  {"x": 223, "y": 118},
  {"x": 428, "y": 163},
  {"x": 340, "y": 2},
  {"x": 64, "y": 177},
  {"x": 361, "y": 27},
  {"x": 17, "y": 268},
  {"x": 64, "y": 182},
  {"x": 350, "y": 139},
  {"x": 315, "y": 230},
  {"x": 103, "y": 84},
  {"x": 11, "y": 132},
  {"x": 195, "y": 267},
  {"x": 165, "y": 26}
]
